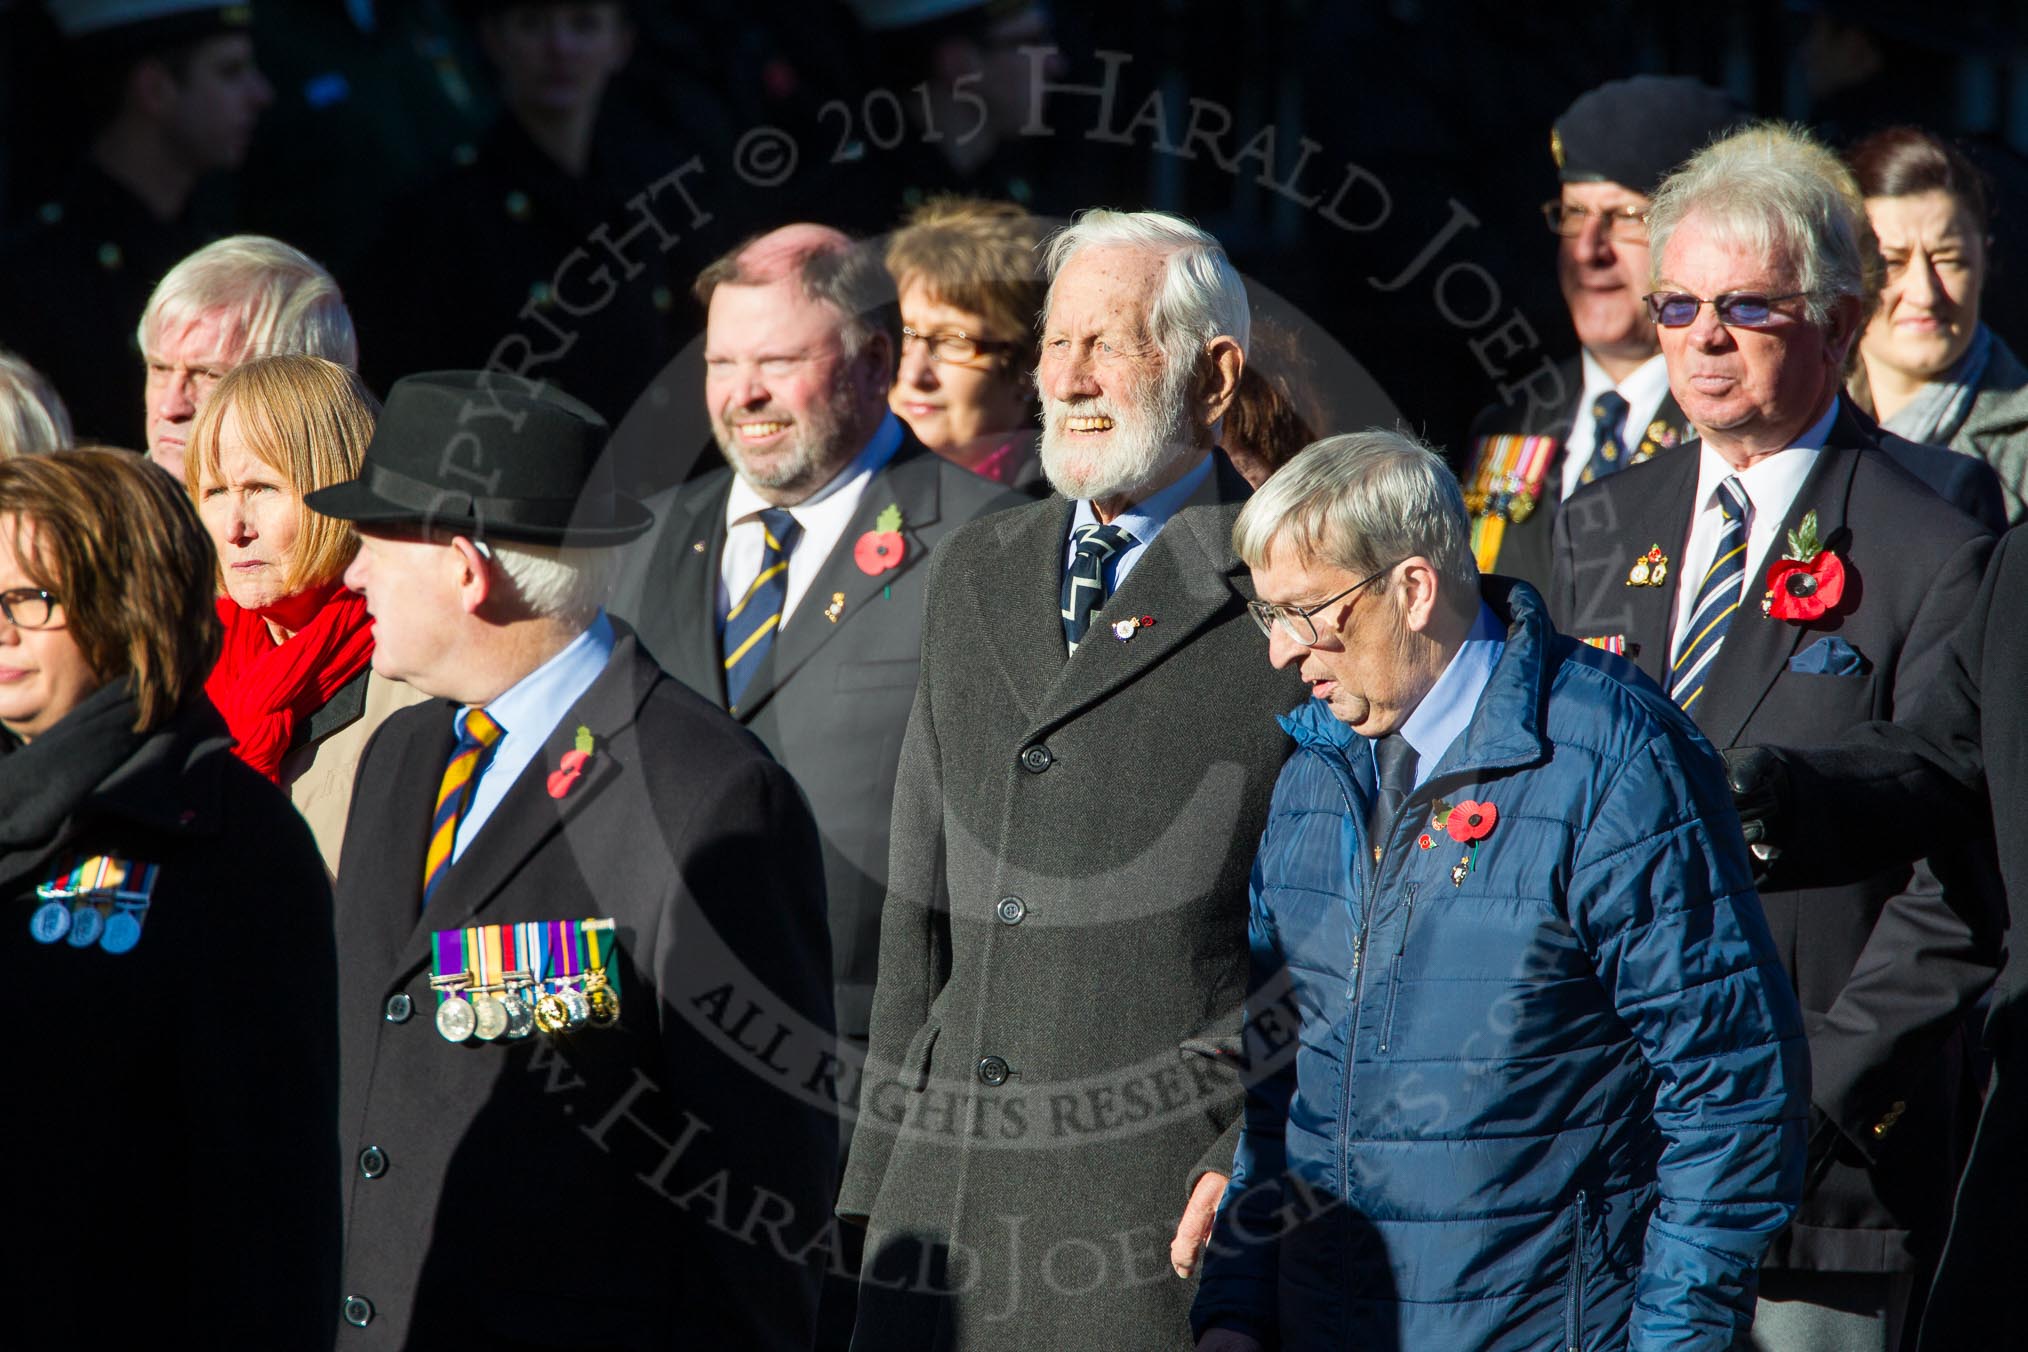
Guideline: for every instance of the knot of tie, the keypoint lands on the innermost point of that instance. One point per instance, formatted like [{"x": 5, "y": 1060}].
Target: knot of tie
[
  {"x": 1609, "y": 443},
  {"x": 1084, "y": 582}
]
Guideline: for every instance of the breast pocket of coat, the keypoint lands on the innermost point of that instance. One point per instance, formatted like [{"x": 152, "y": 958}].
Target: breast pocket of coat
[{"x": 890, "y": 674}]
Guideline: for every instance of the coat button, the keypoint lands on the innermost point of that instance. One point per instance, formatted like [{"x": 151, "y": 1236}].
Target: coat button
[
  {"x": 373, "y": 1161},
  {"x": 1011, "y": 910},
  {"x": 1035, "y": 759},
  {"x": 399, "y": 1007},
  {"x": 358, "y": 1311},
  {"x": 992, "y": 1071}
]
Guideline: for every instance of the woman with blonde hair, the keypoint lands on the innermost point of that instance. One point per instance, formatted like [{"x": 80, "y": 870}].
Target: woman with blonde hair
[
  {"x": 32, "y": 417},
  {"x": 294, "y": 679}
]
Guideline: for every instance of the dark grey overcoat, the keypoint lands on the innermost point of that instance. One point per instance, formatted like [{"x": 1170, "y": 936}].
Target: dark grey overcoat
[{"x": 1063, "y": 950}]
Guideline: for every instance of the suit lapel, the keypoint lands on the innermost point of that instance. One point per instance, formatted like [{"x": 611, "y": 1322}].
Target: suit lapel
[
  {"x": 692, "y": 574},
  {"x": 528, "y": 818},
  {"x": 404, "y": 802},
  {"x": 1184, "y": 581},
  {"x": 1757, "y": 649},
  {"x": 1658, "y": 504},
  {"x": 908, "y": 482},
  {"x": 1020, "y": 609}
]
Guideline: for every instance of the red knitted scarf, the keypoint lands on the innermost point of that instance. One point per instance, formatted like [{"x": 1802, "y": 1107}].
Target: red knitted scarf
[{"x": 265, "y": 689}]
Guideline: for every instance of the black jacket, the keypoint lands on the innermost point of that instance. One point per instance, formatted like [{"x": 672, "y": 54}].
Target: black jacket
[
  {"x": 170, "y": 1130},
  {"x": 663, "y": 1183},
  {"x": 1883, "y": 964}
]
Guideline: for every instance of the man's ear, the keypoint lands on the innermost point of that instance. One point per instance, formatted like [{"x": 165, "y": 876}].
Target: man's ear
[
  {"x": 471, "y": 565},
  {"x": 877, "y": 364},
  {"x": 152, "y": 90},
  {"x": 1841, "y": 330},
  {"x": 1417, "y": 578},
  {"x": 1225, "y": 361}
]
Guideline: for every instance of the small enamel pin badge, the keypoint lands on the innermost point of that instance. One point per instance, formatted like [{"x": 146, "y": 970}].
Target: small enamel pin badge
[
  {"x": 1650, "y": 569},
  {"x": 1127, "y": 628},
  {"x": 836, "y": 608}
]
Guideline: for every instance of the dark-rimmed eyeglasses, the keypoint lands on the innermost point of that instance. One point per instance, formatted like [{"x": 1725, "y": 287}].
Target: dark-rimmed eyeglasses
[
  {"x": 1736, "y": 309},
  {"x": 955, "y": 345},
  {"x": 28, "y": 607},
  {"x": 1299, "y": 622},
  {"x": 1629, "y": 223}
]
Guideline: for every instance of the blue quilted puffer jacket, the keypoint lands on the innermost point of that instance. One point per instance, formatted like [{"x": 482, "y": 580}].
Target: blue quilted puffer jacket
[{"x": 1552, "y": 1095}]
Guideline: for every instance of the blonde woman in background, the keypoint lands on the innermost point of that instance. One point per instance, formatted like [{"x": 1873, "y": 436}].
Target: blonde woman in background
[
  {"x": 32, "y": 416},
  {"x": 294, "y": 679}
]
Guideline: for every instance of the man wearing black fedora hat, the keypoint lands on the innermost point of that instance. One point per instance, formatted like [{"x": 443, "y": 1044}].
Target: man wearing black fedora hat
[{"x": 584, "y": 970}]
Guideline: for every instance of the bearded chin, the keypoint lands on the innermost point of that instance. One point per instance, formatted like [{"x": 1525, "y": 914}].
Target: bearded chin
[{"x": 1135, "y": 454}]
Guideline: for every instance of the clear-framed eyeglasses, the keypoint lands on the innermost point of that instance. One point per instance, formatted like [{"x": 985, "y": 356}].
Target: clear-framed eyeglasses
[
  {"x": 1300, "y": 623},
  {"x": 955, "y": 345},
  {"x": 28, "y": 607},
  {"x": 1628, "y": 224}
]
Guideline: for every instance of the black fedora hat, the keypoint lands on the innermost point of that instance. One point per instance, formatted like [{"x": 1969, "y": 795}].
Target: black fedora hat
[{"x": 490, "y": 456}]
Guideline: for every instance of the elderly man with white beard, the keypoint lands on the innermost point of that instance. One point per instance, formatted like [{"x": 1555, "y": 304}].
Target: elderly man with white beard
[{"x": 1052, "y": 1093}]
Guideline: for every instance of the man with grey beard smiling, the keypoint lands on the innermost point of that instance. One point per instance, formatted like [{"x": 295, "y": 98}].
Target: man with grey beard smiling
[
  {"x": 1051, "y": 1101},
  {"x": 789, "y": 588}
]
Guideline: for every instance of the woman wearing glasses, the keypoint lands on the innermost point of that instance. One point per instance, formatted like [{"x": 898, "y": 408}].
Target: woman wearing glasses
[
  {"x": 167, "y": 945},
  {"x": 966, "y": 272},
  {"x": 1930, "y": 369}
]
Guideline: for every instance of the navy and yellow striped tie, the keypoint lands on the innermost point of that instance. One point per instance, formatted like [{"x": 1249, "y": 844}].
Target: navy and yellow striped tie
[
  {"x": 1718, "y": 598},
  {"x": 749, "y": 629},
  {"x": 476, "y": 735}
]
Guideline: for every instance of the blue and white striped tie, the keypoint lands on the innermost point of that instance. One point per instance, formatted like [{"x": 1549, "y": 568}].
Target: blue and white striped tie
[
  {"x": 1084, "y": 582},
  {"x": 1718, "y": 598}
]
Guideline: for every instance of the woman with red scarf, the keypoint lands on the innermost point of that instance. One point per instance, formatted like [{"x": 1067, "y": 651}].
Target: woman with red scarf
[{"x": 294, "y": 679}]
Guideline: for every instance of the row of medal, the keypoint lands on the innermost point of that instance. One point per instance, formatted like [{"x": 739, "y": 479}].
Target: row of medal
[
  {"x": 495, "y": 981},
  {"x": 100, "y": 900}
]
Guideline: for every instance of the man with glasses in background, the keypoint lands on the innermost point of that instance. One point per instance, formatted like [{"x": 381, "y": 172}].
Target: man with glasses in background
[
  {"x": 1545, "y": 1057},
  {"x": 1783, "y": 579},
  {"x": 1610, "y": 406}
]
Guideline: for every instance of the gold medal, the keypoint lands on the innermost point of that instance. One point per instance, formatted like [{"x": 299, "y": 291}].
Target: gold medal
[
  {"x": 1522, "y": 507},
  {"x": 489, "y": 1018},
  {"x": 455, "y": 1019},
  {"x": 551, "y": 1015},
  {"x": 1637, "y": 576},
  {"x": 603, "y": 1003}
]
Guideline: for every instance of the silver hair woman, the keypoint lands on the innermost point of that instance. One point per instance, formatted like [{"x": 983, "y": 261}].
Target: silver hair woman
[{"x": 32, "y": 416}]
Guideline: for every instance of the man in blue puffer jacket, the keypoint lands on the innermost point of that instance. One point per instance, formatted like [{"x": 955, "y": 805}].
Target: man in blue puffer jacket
[{"x": 1527, "y": 1071}]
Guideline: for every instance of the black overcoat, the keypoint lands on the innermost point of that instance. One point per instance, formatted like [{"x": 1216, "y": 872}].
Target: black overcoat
[{"x": 661, "y": 1184}]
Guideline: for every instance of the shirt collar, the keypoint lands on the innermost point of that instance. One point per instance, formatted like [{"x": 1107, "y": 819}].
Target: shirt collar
[
  {"x": 1772, "y": 484},
  {"x": 533, "y": 704},
  {"x": 744, "y": 502},
  {"x": 1145, "y": 519},
  {"x": 1642, "y": 389},
  {"x": 1446, "y": 711}
]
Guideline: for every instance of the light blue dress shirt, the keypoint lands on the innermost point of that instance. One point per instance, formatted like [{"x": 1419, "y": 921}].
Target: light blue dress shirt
[
  {"x": 1143, "y": 521},
  {"x": 527, "y": 712},
  {"x": 1446, "y": 711}
]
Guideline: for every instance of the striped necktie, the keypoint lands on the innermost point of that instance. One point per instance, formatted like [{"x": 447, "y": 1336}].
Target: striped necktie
[
  {"x": 1609, "y": 438},
  {"x": 750, "y": 625},
  {"x": 477, "y": 733},
  {"x": 1084, "y": 582},
  {"x": 1717, "y": 598}
]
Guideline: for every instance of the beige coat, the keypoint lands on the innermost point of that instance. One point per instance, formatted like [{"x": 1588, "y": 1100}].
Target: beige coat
[{"x": 318, "y": 776}]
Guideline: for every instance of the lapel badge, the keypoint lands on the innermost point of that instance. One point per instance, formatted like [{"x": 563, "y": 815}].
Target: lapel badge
[
  {"x": 1125, "y": 629},
  {"x": 697, "y": 546},
  {"x": 881, "y": 549},
  {"x": 1650, "y": 569},
  {"x": 565, "y": 776},
  {"x": 1469, "y": 823},
  {"x": 836, "y": 608},
  {"x": 1425, "y": 841}
]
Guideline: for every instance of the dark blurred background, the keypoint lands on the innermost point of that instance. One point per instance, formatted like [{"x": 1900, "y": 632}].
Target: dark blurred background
[{"x": 1413, "y": 123}]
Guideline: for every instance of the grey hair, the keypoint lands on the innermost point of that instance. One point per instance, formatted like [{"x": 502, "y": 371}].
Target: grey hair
[
  {"x": 32, "y": 416},
  {"x": 556, "y": 582},
  {"x": 848, "y": 275},
  {"x": 278, "y": 299},
  {"x": 1362, "y": 501},
  {"x": 1777, "y": 192},
  {"x": 1201, "y": 296}
]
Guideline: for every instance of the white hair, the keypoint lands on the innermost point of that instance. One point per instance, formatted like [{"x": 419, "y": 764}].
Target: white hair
[
  {"x": 277, "y": 300},
  {"x": 1778, "y": 193},
  {"x": 1362, "y": 501},
  {"x": 32, "y": 417},
  {"x": 1201, "y": 296},
  {"x": 556, "y": 582}
]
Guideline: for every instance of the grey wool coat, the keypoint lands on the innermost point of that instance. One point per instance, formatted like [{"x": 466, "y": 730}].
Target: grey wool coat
[{"x": 1056, "y": 1023}]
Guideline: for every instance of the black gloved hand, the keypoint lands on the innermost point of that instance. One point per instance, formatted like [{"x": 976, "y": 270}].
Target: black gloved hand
[{"x": 1759, "y": 780}]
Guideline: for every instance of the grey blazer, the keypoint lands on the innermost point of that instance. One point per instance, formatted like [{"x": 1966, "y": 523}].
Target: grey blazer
[
  {"x": 832, "y": 698},
  {"x": 1064, "y": 950}
]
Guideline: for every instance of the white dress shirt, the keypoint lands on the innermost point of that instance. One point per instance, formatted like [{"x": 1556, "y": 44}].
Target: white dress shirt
[
  {"x": 1771, "y": 487},
  {"x": 1643, "y": 390},
  {"x": 824, "y": 517}
]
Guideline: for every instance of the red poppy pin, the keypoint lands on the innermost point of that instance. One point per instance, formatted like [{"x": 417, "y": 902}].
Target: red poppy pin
[
  {"x": 1469, "y": 823},
  {"x": 1805, "y": 582},
  {"x": 571, "y": 765},
  {"x": 880, "y": 549}
]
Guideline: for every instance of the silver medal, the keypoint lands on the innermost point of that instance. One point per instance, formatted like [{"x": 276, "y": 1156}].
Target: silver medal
[
  {"x": 520, "y": 1016},
  {"x": 455, "y": 1019},
  {"x": 489, "y": 1018},
  {"x": 50, "y": 922},
  {"x": 123, "y": 931},
  {"x": 85, "y": 926},
  {"x": 576, "y": 1007}
]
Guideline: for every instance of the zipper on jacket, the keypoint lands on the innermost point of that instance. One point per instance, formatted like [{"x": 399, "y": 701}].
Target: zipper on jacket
[
  {"x": 1394, "y": 970},
  {"x": 1575, "y": 1319}
]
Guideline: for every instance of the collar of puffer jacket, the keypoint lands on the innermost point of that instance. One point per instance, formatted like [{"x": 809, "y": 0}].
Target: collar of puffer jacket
[{"x": 1506, "y": 729}]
